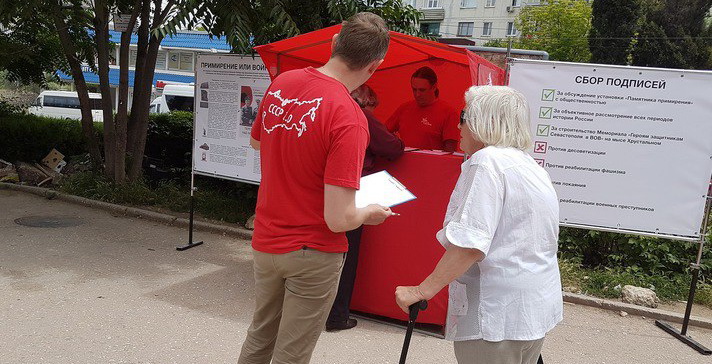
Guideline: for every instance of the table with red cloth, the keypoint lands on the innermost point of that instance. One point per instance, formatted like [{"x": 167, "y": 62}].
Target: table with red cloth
[{"x": 403, "y": 251}]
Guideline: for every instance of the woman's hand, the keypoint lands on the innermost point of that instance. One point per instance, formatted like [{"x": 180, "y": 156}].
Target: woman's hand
[{"x": 408, "y": 295}]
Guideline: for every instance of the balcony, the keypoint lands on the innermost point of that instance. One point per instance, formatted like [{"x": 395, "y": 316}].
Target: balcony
[{"x": 433, "y": 14}]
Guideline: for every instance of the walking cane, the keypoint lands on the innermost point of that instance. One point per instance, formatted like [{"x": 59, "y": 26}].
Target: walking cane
[{"x": 412, "y": 316}]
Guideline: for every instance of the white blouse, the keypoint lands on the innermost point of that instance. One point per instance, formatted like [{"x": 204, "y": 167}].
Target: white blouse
[{"x": 505, "y": 206}]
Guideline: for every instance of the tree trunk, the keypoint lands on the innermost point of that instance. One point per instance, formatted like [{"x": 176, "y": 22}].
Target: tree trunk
[
  {"x": 70, "y": 51},
  {"x": 142, "y": 91},
  {"x": 122, "y": 107},
  {"x": 139, "y": 112},
  {"x": 142, "y": 48},
  {"x": 101, "y": 37}
]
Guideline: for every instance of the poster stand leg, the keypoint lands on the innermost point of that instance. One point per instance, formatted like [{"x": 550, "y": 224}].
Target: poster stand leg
[
  {"x": 191, "y": 243},
  {"x": 682, "y": 334}
]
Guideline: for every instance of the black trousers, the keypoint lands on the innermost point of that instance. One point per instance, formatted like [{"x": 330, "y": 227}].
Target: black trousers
[{"x": 340, "y": 309}]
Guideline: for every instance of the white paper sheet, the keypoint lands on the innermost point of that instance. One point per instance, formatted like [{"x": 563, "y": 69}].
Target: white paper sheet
[{"x": 383, "y": 189}]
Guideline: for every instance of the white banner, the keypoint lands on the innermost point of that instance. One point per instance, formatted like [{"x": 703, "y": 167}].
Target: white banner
[
  {"x": 228, "y": 90},
  {"x": 628, "y": 148}
]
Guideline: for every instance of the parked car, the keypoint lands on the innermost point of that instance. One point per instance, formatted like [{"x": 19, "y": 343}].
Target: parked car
[
  {"x": 174, "y": 98},
  {"x": 64, "y": 105}
]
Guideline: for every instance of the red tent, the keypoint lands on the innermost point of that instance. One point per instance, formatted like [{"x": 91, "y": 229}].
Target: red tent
[{"x": 457, "y": 68}]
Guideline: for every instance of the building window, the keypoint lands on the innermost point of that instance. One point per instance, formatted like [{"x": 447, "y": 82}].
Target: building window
[
  {"x": 132, "y": 57},
  {"x": 516, "y": 3},
  {"x": 490, "y": 3},
  {"x": 413, "y": 3},
  {"x": 173, "y": 61},
  {"x": 186, "y": 61},
  {"x": 161, "y": 60},
  {"x": 432, "y": 4},
  {"x": 468, "y": 3},
  {"x": 487, "y": 29},
  {"x": 511, "y": 30},
  {"x": 180, "y": 61},
  {"x": 465, "y": 29},
  {"x": 430, "y": 28}
]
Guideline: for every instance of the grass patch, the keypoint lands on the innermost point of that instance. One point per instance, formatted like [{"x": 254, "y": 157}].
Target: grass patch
[
  {"x": 607, "y": 282},
  {"x": 227, "y": 201}
]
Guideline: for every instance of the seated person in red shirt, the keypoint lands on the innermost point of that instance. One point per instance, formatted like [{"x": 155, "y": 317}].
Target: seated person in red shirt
[
  {"x": 426, "y": 122},
  {"x": 382, "y": 144}
]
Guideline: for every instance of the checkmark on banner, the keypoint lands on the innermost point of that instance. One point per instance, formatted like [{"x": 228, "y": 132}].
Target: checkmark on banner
[
  {"x": 545, "y": 112},
  {"x": 540, "y": 147},
  {"x": 539, "y": 162},
  {"x": 547, "y": 94},
  {"x": 542, "y": 130}
]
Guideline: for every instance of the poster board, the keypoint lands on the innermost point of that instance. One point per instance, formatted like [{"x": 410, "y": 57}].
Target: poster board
[
  {"x": 628, "y": 149},
  {"x": 228, "y": 90}
]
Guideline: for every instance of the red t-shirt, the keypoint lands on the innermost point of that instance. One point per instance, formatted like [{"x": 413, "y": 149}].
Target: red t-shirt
[
  {"x": 425, "y": 127},
  {"x": 311, "y": 133}
]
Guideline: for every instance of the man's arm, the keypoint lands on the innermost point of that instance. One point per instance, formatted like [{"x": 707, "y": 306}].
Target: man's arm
[
  {"x": 341, "y": 214},
  {"x": 451, "y": 133},
  {"x": 255, "y": 143}
]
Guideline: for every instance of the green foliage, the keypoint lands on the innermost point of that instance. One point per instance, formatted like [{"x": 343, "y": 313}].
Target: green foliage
[
  {"x": 630, "y": 253},
  {"x": 596, "y": 262},
  {"x": 613, "y": 26},
  {"x": 30, "y": 138},
  {"x": 246, "y": 24},
  {"x": 10, "y": 107},
  {"x": 215, "y": 199},
  {"x": 607, "y": 282},
  {"x": 170, "y": 138},
  {"x": 673, "y": 34},
  {"x": 559, "y": 27},
  {"x": 30, "y": 48}
]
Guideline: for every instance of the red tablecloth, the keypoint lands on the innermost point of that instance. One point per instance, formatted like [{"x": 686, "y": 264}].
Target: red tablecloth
[{"x": 403, "y": 251}]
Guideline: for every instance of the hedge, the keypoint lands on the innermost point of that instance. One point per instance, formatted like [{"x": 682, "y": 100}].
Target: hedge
[{"x": 29, "y": 138}]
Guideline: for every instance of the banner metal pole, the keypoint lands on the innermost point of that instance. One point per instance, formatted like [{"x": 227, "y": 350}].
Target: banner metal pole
[
  {"x": 192, "y": 172},
  {"x": 695, "y": 267}
]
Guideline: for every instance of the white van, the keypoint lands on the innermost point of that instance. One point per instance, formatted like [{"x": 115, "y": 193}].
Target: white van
[
  {"x": 174, "y": 98},
  {"x": 64, "y": 105}
]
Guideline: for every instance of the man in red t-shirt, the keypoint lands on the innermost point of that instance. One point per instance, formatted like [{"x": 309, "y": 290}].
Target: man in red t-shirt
[
  {"x": 426, "y": 122},
  {"x": 312, "y": 138}
]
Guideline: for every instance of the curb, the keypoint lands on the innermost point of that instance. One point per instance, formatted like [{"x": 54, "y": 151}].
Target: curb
[
  {"x": 631, "y": 309},
  {"x": 171, "y": 220},
  {"x": 242, "y": 233}
]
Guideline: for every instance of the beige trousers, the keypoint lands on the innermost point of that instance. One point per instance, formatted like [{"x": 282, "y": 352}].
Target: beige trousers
[
  {"x": 501, "y": 352},
  {"x": 294, "y": 293}
]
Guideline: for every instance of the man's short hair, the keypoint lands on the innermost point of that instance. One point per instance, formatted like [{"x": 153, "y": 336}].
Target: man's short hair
[{"x": 363, "y": 39}]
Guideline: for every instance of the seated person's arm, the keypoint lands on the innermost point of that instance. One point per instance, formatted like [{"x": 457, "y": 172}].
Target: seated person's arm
[
  {"x": 393, "y": 123},
  {"x": 451, "y": 133},
  {"x": 450, "y": 145},
  {"x": 341, "y": 214},
  {"x": 383, "y": 143}
]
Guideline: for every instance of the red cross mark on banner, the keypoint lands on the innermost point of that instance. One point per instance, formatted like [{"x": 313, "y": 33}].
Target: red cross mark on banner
[{"x": 539, "y": 147}]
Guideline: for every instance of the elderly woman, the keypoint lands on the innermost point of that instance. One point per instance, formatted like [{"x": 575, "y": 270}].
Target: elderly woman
[{"x": 500, "y": 234}]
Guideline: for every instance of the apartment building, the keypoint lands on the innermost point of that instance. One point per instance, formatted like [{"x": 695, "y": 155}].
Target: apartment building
[{"x": 475, "y": 20}]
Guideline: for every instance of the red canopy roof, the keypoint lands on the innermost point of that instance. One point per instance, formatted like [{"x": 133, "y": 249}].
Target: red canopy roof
[{"x": 457, "y": 68}]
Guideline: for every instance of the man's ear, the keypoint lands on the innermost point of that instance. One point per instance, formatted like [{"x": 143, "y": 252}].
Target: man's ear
[
  {"x": 374, "y": 66},
  {"x": 333, "y": 41}
]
